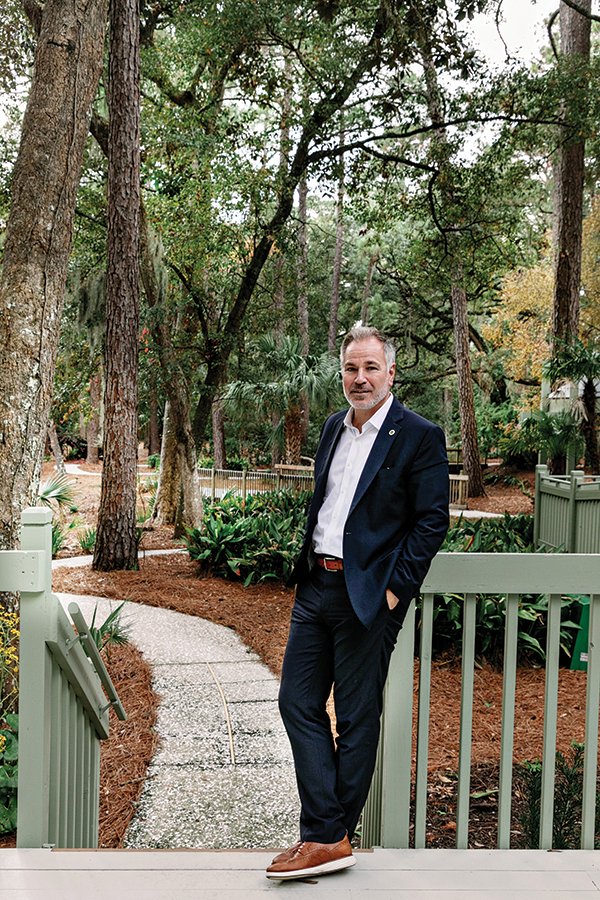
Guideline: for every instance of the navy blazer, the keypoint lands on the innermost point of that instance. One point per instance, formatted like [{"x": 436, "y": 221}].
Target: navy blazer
[{"x": 399, "y": 514}]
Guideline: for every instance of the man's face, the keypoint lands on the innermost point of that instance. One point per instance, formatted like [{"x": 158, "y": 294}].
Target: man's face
[{"x": 365, "y": 375}]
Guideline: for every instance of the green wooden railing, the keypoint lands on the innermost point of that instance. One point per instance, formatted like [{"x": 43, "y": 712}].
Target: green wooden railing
[
  {"x": 567, "y": 511},
  {"x": 63, "y": 711},
  {"x": 387, "y": 812}
]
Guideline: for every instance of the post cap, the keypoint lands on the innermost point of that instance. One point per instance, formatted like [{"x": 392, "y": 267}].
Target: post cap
[{"x": 36, "y": 515}]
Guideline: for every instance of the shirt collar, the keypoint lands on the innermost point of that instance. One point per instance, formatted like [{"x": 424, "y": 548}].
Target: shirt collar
[{"x": 376, "y": 420}]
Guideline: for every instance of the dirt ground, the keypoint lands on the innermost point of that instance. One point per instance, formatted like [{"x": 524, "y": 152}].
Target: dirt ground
[{"x": 260, "y": 615}]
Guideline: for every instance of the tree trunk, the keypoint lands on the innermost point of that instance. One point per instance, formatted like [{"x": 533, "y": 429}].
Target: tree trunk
[
  {"x": 466, "y": 401},
  {"x": 460, "y": 318},
  {"x": 293, "y": 435},
  {"x": 116, "y": 542},
  {"x": 303, "y": 291},
  {"x": 568, "y": 193},
  {"x": 56, "y": 451},
  {"x": 589, "y": 426},
  {"x": 67, "y": 66},
  {"x": 169, "y": 482},
  {"x": 284, "y": 153},
  {"x": 302, "y": 265},
  {"x": 154, "y": 434},
  {"x": 218, "y": 422},
  {"x": 337, "y": 259},
  {"x": 154, "y": 277},
  {"x": 364, "y": 314},
  {"x": 93, "y": 427},
  {"x": 276, "y": 449}
]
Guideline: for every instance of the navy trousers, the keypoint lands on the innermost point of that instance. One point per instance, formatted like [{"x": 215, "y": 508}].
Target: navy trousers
[{"x": 328, "y": 645}]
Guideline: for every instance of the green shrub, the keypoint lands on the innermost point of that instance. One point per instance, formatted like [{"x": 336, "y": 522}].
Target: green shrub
[
  {"x": 111, "y": 632},
  {"x": 232, "y": 463},
  {"x": 87, "y": 540},
  {"x": 9, "y": 752},
  {"x": 153, "y": 460},
  {"x": 489, "y": 626},
  {"x": 59, "y": 536},
  {"x": 510, "y": 534},
  {"x": 252, "y": 540},
  {"x": 568, "y": 800}
]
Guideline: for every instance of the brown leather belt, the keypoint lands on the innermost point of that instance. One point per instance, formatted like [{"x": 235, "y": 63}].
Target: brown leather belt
[{"x": 331, "y": 563}]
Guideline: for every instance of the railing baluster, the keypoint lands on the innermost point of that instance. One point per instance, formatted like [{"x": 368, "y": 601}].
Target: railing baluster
[
  {"x": 423, "y": 720},
  {"x": 81, "y": 778},
  {"x": 72, "y": 780},
  {"x": 466, "y": 721},
  {"x": 508, "y": 720},
  {"x": 397, "y": 740},
  {"x": 55, "y": 754},
  {"x": 590, "y": 764},
  {"x": 65, "y": 728},
  {"x": 550, "y": 719}
]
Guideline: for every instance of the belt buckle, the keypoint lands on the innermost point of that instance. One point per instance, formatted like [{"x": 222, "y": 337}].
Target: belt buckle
[{"x": 331, "y": 559}]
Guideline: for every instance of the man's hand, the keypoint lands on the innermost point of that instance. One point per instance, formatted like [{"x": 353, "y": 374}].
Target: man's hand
[{"x": 392, "y": 600}]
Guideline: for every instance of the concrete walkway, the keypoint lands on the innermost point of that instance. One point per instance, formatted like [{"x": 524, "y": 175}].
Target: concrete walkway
[{"x": 223, "y": 776}]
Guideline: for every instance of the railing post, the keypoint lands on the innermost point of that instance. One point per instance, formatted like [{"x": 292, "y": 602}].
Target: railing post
[
  {"x": 34, "y": 711},
  {"x": 213, "y": 482},
  {"x": 537, "y": 504},
  {"x": 576, "y": 479}
]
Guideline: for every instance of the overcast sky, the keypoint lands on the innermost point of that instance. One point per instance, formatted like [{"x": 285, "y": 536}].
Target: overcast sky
[{"x": 523, "y": 29}]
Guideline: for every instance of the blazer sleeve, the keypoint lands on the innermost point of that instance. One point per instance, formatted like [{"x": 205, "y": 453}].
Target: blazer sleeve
[{"x": 428, "y": 494}]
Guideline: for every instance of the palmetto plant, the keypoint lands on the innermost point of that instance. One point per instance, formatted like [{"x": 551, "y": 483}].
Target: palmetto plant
[
  {"x": 284, "y": 377},
  {"x": 557, "y": 434},
  {"x": 59, "y": 489},
  {"x": 579, "y": 362}
]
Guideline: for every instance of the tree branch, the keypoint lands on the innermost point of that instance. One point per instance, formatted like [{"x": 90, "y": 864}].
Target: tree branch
[
  {"x": 34, "y": 12},
  {"x": 551, "y": 22},
  {"x": 582, "y": 12}
]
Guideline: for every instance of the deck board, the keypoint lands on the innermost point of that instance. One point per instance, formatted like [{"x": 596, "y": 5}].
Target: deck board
[{"x": 233, "y": 875}]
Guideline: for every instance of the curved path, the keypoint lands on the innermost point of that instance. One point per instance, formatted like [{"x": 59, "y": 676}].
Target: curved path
[{"x": 223, "y": 775}]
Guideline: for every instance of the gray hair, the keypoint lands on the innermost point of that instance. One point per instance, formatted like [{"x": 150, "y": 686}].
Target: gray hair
[{"x": 361, "y": 333}]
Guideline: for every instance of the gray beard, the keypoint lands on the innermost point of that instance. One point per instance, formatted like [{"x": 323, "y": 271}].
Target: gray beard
[{"x": 376, "y": 398}]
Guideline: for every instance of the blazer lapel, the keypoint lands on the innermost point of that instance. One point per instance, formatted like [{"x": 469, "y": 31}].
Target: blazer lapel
[{"x": 392, "y": 425}]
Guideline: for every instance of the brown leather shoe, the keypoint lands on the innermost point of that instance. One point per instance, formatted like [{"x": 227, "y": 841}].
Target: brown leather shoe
[
  {"x": 287, "y": 854},
  {"x": 309, "y": 858}
]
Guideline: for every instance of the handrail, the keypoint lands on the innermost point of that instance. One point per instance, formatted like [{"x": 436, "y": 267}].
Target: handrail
[{"x": 97, "y": 661}]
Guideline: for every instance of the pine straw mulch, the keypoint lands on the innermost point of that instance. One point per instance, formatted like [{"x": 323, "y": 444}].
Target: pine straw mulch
[{"x": 125, "y": 756}]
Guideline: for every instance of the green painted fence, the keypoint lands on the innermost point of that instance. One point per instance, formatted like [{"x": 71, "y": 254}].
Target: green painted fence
[
  {"x": 63, "y": 711},
  {"x": 386, "y": 814},
  {"x": 567, "y": 511}
]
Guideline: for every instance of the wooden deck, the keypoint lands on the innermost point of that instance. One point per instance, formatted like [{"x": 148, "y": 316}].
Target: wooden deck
[{"x": 235, "y": 875}]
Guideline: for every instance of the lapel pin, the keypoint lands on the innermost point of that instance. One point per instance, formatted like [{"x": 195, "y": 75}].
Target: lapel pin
[{"x": 392, "y": 431}]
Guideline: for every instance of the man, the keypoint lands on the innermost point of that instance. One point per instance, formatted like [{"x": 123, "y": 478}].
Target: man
[{"x": 378, "y": 516}]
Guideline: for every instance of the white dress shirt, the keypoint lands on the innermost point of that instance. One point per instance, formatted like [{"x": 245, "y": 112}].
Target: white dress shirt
[{"x": 346, "y": 467}]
